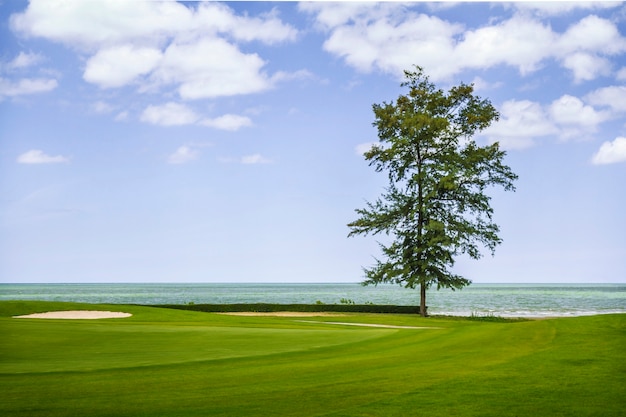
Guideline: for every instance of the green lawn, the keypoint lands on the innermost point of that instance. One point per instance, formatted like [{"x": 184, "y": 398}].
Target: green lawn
[{"x": 163, "y": 362}]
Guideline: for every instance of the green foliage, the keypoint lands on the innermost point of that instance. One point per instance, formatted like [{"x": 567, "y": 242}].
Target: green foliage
[
  {"x": 435, "y": 206},
  {"x": 346, "y": 301}
]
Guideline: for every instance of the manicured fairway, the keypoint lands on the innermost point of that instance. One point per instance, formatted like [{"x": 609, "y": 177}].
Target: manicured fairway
[{"x": 179, "y": 363}]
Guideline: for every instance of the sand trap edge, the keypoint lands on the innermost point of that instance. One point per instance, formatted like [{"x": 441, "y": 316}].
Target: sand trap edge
[{"x": 76, "y": 315}]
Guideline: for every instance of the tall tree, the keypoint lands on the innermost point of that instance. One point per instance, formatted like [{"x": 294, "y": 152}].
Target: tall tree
[{"x": 435, "y": 206}]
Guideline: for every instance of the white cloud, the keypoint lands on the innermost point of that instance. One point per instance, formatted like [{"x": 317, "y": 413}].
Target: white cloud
[
  {"x": 170, "y": 114},
  {"x": 554, "y": 8},
  {"x": 37, "y": 156},
  {"x": 228, "y": 122},
  {"x": 267, "y": 28},
  {"x": 571, "y": 111},
  {"x": 613, "y": 97},
  {"x": 390, "y": 38},
  {"x": 611, "y": 152},
  {"x": 591, "y": 33},
  {"x": 176, "y": 114},
  {"x": 255, "y": 159},
  {"x": 481, "y": 85},
  {"x": 26, "y": 86},
  {"x": 211, "y": 68},
  {"x": 520, "y": 123},
  {"x": 162, "y": 44},
  {"x": 89, "y": 25},
  {"x": 120, "y": 65},
  {"x": 24, "y": 60},
  {"x": 379, "y": 39},
  {"x": 183, "y": 155},
  {"x": 331, "y": 15},
  {"x": 621, "y": 74},
  {"x": 520, "y": 42},
  {"x": 586, "y": 67}
]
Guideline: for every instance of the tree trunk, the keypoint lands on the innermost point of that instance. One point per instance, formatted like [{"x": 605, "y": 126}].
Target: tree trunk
[{"x": 423, "y": 311}]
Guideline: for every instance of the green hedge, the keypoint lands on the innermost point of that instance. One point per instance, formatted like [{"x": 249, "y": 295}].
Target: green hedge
[{"x": 268, "y": 308}]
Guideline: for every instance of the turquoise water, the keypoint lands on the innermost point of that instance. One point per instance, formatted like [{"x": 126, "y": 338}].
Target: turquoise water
[{"x": 517, "y": 300}]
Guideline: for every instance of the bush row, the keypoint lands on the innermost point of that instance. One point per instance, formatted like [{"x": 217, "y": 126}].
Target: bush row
[{"x": 269, "y": 308}]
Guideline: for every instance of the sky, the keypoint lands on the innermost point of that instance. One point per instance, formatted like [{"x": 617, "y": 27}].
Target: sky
[{"x": 162, "y": 141}]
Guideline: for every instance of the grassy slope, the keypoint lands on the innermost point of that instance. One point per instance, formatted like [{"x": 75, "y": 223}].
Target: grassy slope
[{"x": 177, "y": 363}]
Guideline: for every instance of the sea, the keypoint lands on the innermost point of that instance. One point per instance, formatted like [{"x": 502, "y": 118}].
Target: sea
[{"x": 503, "y": 300}]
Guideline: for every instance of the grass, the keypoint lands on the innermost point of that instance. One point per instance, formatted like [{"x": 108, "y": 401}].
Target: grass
[{"x": 163, "y": 362}]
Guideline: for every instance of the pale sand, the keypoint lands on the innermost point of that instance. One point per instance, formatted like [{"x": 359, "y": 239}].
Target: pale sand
[
  {"x": 76, "y": 315},
  {"x": 283, "y": 314}
]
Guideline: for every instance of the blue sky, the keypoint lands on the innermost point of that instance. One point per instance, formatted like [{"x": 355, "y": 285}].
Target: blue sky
[{"x": 221, "y": 142}]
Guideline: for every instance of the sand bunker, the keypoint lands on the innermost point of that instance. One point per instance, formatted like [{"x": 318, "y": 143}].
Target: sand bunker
[
  {"x": 76, "y": 315},
  {"x": 283, "y": 314},
  {"x": 383, "y": 326}
]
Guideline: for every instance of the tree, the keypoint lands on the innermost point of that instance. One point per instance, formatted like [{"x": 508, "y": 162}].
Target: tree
[{"x": 435, "y": 206}]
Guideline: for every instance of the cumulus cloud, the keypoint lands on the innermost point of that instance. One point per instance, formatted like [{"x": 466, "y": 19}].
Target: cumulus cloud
[
  {"x": 386, "y": 37},
  {"x": 520, "y": 42},
  {"x": 120, "y": 65},
  {"x": 611, "y": 152},
  {"x": 267, "y": 28},
  {"x": 211, "y": 68},
  {"x": 183, "y": 155},
  {"x": 613, "y": 97},
  {"x": 389, "y": 37},
  {"x": 37, "y": 156},
  {"x": 160, "y": 44},
  {"x": 228, "y": 122},
  {"x": 586, "y": 67},
  {"x": 170, "y": 114},
  {"x": 100, "y": 23},
  {"x": 574, "y": 117},
  {"x": 176, "y": 114},
  {"x": 521, "y": 122},
  {"x": 592, "y": 33},
  {"x": 25, "y": 86}
]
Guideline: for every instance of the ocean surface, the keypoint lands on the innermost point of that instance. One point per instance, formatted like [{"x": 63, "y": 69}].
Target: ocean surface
[{"x": 505, "y": 300}]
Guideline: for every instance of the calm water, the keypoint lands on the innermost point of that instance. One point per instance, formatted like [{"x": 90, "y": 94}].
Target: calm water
[{"x": 498, "y": 299}]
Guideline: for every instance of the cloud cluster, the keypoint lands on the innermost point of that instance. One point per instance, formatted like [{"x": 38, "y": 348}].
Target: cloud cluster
[
  {"x": 160, "y": 44},
  {"x": 568, "y": 117},
  {"x": 390, "y": 38},
  {"x": 166, "y": 47}
]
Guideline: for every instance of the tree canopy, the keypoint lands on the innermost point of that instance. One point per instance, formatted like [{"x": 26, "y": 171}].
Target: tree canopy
[{"x": 435, "y": 207}]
